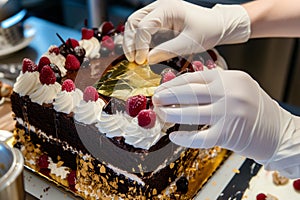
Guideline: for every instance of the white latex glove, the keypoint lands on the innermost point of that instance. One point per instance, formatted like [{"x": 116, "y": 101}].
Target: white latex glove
[
  {"x": 197, "y": 29},
  {"x": 242, "y": 117}
]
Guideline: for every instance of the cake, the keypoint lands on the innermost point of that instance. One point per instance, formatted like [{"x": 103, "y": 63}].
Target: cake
[{"x": 84, "y": 120}]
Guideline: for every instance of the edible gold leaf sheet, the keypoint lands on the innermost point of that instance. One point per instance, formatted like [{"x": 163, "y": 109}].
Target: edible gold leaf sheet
[{"x": 127, "y": 79}]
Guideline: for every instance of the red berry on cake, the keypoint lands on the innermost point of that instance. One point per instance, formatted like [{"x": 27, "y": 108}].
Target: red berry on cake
[
  {"x": 72, "y": 178},
  {"x": 68, "y": 85},
  {"x": 261, "y": 196},
  {"x": 28, "y": 65},
  {"x": 72, "y": 63},
  {"x": 43, "y": 162},
  {"x": 210, "y": 64},
  {"x": 120, "y": 28},
  {"x": 168, "y": 76},
  {"x": 296, "y": 184},
  {"x": 108, "y": 42},
  {"x": 54, "y": 50},
  {"x": 107, "y": 28},
  {"x": 90, "y": 94},
  {"x": 135, "y": 104},
  {"x": 197, "y": 65},
  {"x": 72, "y": 43},
  {"x": 47, "y": 75},
  {"x": 86, "y": 33},
  {"x": 146, "y": 118},
  {"x": 43, "y": 61}
]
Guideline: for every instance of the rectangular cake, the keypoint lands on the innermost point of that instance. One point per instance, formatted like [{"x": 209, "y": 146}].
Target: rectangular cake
[{"x": 78, "y": 124}]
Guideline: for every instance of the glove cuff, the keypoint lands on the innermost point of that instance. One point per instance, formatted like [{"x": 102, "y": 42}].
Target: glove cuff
[{"x": 236, "y": 23}]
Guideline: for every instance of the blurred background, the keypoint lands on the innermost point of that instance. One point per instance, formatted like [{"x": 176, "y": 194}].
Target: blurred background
[{"x": 274, "y": 63}]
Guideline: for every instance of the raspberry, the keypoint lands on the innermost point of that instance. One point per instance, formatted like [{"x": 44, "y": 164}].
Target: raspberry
[
  {"x": 86, "y": 33},
  {"x": 28, "y": 65},
  {"x": 108, "y": 42},
  {"x": 120, "y": 28},
  {"x": 107, "y": 28},
  {"x": 43, "y": 162},
  {"x": 167, "y": 75},
  {"x": 68, "y": 85},
  {"x": 146, "y": 118},
  {"x": 43, "y": 61},
  {"x": 135, "y": 104},
  {"x": 72, "y": 43},
  {"x": 54, "y": 50},
  {"x": 90, "y": 94},
  {"x": 72, "y": 178},
  {"x": 261, "y": 196},
  {"x": 47, "y": 76},
  {"x": 210, "y": 64},
  {"x": 197, "y": 65},
  {"x": 296, "y": 184},
  {"x": 72, "y": 63}
]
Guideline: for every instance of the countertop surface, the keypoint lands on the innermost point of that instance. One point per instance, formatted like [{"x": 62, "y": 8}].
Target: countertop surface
[{"x": 231, "y": 181}]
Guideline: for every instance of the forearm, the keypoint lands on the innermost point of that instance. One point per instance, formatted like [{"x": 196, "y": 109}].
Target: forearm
[{"x": 274, "y": 18}]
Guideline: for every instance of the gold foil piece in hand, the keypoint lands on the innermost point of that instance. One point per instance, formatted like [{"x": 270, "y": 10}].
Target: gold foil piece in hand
[{"x": 127, "y": 79}]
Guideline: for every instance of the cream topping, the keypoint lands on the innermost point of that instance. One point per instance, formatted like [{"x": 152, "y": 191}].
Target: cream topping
[
  {"x": 59, "y": 60},
  {"x": 118, "y": 39},
  {"x": 27, "y": 83},
  {"x": 66, "y": 101},
  {"x": 88, "y": 112},
  {"x": 120, "y": 124},
  {"x": 45, "y": 93},
  {"x": 91, "y": 46},
  {"x": 58, "y": 171}
]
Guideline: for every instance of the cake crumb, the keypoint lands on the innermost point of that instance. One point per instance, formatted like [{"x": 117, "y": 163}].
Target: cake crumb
[
  {"x": 278, "y": 179},
  {"x": 237, "y": 171},
  {"x": 271, "y": 197},
  {"x": 214, "y": 183}
]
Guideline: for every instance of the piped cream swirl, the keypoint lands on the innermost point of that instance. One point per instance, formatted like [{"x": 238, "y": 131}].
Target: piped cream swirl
[
  {"x": 27, "y": 83},
  {"x": 88, "y": 112},
  {"x": 67, "y": 101},
  {"x": 120, "y": 124},
  {"x": 45, "y": 93},
  {"x": 91, "y": 47},
  {"x": 59, "y": 60}
]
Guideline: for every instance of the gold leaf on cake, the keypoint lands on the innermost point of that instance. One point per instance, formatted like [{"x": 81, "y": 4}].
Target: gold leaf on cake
[{"x": 128, "y": 79}]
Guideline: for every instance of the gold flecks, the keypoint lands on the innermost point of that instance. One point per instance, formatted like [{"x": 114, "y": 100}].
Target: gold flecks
[
  {"x": 60, "y": 163},
  {"x": 172, "y": 165},
  {"x": 102, "y": 169},
  {"x": 154, "y": 191}
]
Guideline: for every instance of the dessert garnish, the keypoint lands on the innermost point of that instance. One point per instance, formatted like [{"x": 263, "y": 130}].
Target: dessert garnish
[
  {"x": 72, "y": 42},
  {"x": 42, "y": 62},
  {"x": 107, "y": 28},
  {"x": 197, "y": 65},
  {"x": 135, "y": 104},
  {"x": 146, "y": 118},
  {"x": 108, "y": 42},
  {"x": 47, "y": 76},
  {"x": 68, "y": 85},
  {"x": 28, "y": 65},
  {"x": 167, "y": 75},
  {"x": 72, "y": 63},
  {"x": 296, "y": 184},
  {"x": 86, "y": 33},
  {"x": 43, "y": 161},
  {"x": 90, "y": 94}
]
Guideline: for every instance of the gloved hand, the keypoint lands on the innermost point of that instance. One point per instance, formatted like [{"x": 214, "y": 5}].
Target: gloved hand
[
  {"x": 196, "y": 28},
  {"x": 242, "y": 117}
]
